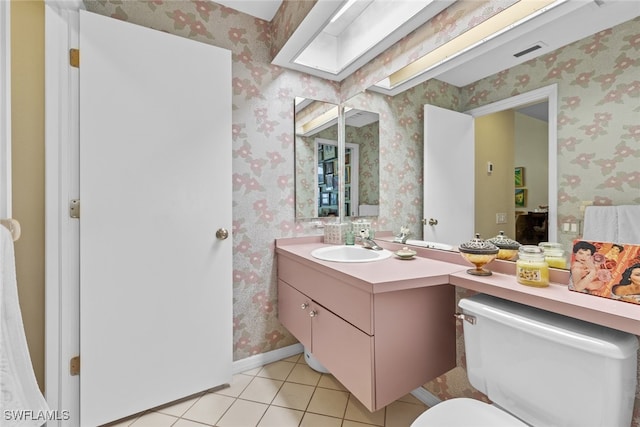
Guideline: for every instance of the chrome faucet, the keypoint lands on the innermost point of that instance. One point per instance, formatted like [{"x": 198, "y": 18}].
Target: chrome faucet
[
  {"x": 368, "y": 243},
  {"x": 403, "y": 235}
]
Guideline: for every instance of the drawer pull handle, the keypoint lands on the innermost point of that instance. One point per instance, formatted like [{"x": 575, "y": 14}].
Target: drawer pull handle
[
  {"x": 304, "y": 305},
  {"x": 313, "y": 313}
]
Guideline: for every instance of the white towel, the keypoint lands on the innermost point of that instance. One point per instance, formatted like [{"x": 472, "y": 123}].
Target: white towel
[
  {"x": 618, "y": 224},
  {"x": 601, "y": 224},
  {"x": 368, "y": 210},
  {"x": 629, "y": 224},
  {"x": 21, "y": 402}
]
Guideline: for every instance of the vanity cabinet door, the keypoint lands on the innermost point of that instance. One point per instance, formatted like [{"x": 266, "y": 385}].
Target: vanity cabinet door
[
  {"x": 293, "y": 312},
  {"x": 346, "y": 352}
]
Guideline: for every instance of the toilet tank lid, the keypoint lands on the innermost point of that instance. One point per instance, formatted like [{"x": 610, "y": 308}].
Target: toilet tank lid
[{"x": 568, "y": 331}]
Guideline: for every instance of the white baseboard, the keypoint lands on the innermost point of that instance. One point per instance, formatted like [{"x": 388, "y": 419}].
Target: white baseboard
[
  {"x": 425, "y": 396},
  {"x": 262, "y": 359}
]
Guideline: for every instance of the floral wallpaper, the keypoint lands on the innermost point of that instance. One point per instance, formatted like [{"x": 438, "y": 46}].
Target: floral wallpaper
[
  {"x": 368, "y": 139},
  {"x": 598, "y": 130}
]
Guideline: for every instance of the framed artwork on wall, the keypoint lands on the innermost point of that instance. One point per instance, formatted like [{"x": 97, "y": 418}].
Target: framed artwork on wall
[
  {"x": 329, "y": 151},
  {"x": 328, "y": 168},
  {"x": 519, "y": 176},
  {"x": 521, "y": 197},
  {"x": 328, "y": 179}
]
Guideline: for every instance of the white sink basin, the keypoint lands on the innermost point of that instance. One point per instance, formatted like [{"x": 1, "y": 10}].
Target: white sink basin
[
  {"x": 431, "y": 245},
  {"x": 349, "y": 254}
]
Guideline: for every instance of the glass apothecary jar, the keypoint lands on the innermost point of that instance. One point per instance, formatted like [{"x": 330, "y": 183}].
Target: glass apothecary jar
[
  {"x": 508, "y": 247},
  {"x": 479, "y": 253},
  {"x": 531, "y": 268},
  {"x": 554, "y": 254}
]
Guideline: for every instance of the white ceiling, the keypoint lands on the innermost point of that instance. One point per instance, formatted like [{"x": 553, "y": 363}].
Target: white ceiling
[{"x": 570, "y": 22}]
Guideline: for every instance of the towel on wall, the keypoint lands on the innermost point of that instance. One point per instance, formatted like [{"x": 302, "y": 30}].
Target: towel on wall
[
  {"x": 21, "y": 402},
  {"x": 629, "y": 224},
  {"x": 600, "y": 223},
  {"x": 618, "y": 224},
  {"x": 368, "y": 210}
]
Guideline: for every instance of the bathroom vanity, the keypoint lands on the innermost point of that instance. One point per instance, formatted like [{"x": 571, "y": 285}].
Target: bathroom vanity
[
  {"x": 381, "y": 331},
  {"x": 385, "y": 328}
]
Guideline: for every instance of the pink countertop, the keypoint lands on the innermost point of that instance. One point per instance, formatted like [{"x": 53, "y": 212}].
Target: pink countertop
[
  {"x": 390, "y": 274},
  {"x": 433, "y": 267}
]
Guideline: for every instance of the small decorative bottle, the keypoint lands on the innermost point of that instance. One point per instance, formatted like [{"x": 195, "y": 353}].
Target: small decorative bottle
[{"x": 531, "y": 268}]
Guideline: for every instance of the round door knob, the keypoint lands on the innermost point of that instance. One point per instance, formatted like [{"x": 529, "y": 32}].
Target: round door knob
[
  {"x": 433, "y": 221},
  {"x": 222, "y": 233},
  {"x": 304, "y": 305},
  {"x": 313, "y": 313}
]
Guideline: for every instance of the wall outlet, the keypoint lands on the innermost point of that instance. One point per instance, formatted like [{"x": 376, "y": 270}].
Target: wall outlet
[{"x": 501, "y": 218}]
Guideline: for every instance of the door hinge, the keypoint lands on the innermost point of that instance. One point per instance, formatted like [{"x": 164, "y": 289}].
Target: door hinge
[
  {"x": 74, "y": 366},
  {"x": 74, "y": 58},
  {"x": 74, "y": 208}
]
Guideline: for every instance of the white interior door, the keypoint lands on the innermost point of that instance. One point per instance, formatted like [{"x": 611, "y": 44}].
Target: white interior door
[
  {"x": 155, "y": 185},
  {"x": 449, "y": 190}
]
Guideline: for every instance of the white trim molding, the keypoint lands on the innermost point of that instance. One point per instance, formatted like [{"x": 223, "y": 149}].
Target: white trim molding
[
  {"x": 62, "y": 282},
  {"x": 5, "y": 109}
]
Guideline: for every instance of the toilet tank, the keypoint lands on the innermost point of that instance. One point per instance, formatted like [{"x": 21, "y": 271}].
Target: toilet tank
[{"x": 548, "y": 369}]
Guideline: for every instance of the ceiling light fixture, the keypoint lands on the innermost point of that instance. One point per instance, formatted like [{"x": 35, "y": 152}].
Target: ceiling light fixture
[
  {"x": 499, "y": 23},
  {"x": 320, "y": 122}
]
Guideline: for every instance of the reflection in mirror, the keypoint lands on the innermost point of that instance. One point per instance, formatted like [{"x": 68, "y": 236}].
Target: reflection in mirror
[
  {"x": 317, "y": 161},
  {"x": 512, "y": 171},
  {"x": 316, "y": 156},
  {"x": 362, "y": 163}
]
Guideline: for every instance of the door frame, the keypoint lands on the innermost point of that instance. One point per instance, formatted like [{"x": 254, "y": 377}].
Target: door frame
[
  {"x": 62, "y": 236},
  {"x": 5, "y": 110},
  {"x": 549, "y": 93}
]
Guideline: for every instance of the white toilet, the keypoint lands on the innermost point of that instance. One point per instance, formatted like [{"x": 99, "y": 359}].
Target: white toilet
[{"x": 540, "y": 369}]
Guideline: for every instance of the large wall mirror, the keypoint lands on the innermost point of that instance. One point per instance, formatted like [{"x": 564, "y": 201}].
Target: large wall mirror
[{"x": 322, "y": 174}]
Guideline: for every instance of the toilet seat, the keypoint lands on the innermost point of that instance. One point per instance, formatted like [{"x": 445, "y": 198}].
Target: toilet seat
[{"x": 464, "y": 412}]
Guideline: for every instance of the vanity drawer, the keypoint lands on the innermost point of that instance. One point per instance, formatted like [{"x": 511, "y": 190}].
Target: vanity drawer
[{"x": 350, "y": 303}]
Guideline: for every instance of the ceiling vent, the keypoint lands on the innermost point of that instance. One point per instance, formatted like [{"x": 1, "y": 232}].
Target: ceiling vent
[{"x": 538, "y": 45}]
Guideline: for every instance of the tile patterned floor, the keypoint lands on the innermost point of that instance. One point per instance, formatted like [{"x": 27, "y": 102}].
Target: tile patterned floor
[{"x": 286, "y": 393}]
